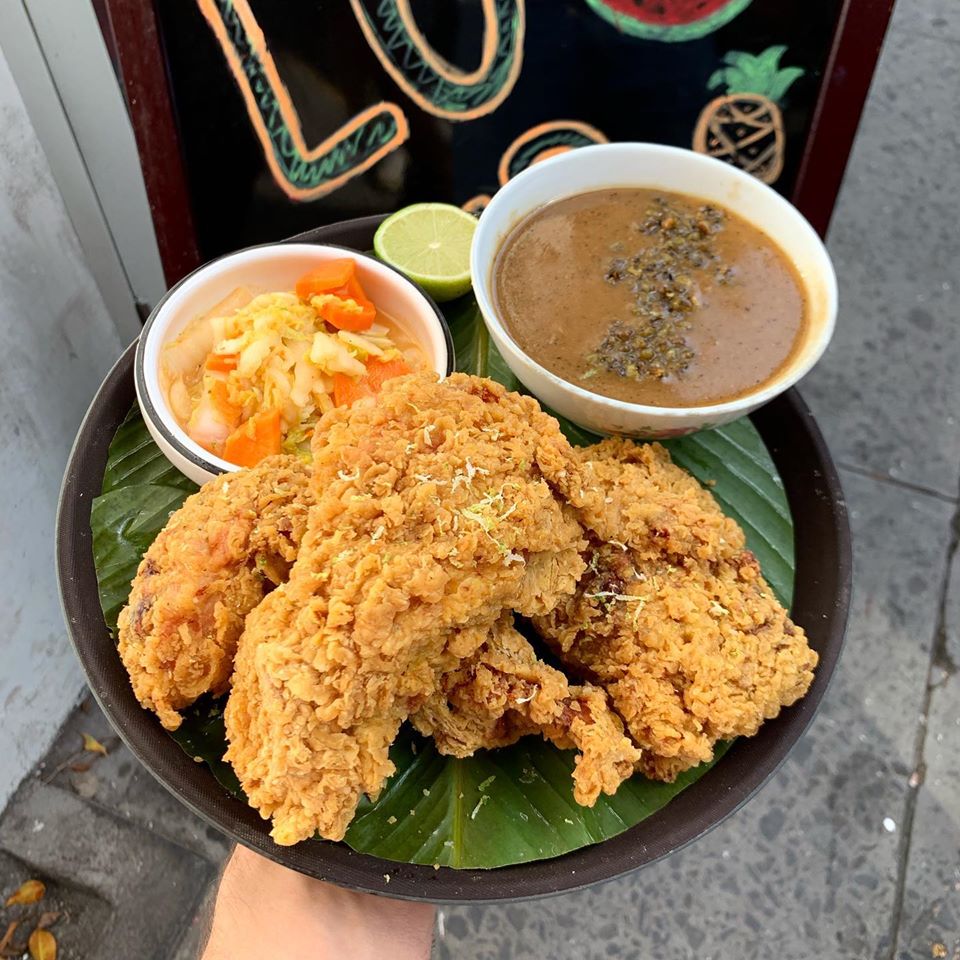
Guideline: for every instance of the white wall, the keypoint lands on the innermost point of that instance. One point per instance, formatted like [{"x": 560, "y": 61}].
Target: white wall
[
  {"x": 90, "y": 114},
  {"x": 60, "y": 63},
  {"x": 56, "y": 343}
]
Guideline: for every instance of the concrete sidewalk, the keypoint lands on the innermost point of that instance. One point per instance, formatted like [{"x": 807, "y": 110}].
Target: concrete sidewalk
[{"x": 853, "y": 850}]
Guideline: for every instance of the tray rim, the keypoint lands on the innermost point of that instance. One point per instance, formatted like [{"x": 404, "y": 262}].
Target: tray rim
[{"x": 791, "y": 434}]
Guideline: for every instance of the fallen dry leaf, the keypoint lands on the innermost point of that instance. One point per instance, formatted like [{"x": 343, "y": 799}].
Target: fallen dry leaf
[
  {"x": 42, "y": 945},
  {"x": 48, "y": 919},
  {"x": 79, "y": 767},
  {"x": 8, "y": 936},
  {"x": 31, "y": 891},
  {"x": 93, "y": 745}
]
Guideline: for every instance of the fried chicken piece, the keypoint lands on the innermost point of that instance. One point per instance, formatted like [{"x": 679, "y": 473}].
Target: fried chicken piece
[
  {"x": 213, "y": 562},
  {"x": 504, "y": 692},
  {"x": 434, "y": 513},
  {"x": 673, "y": 617},
  {"x": 626, "y": 492}
]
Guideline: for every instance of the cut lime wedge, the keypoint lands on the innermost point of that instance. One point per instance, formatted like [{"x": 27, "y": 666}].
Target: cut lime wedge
[{"x": 430, "y": 243}]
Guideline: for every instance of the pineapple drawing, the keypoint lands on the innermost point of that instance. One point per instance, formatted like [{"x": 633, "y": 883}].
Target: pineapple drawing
[{"x": 745, "y": 125}]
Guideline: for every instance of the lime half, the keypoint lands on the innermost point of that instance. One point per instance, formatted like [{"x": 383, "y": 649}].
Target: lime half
[{"x": 430, "y": 243}]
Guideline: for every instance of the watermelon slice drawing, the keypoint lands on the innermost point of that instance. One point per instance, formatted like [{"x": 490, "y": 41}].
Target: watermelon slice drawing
[{"x": 671, "y": 21}]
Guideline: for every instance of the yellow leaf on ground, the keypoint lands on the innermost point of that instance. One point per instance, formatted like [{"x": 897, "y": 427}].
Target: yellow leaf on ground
[
  {"x": 42, "y": 945},
  {"x": 30, "y": 892},
  {"x": 93, "y": 745}
]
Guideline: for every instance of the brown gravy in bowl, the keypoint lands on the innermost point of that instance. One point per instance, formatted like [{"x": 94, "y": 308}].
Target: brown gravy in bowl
[{"x": 650, "y": 297}]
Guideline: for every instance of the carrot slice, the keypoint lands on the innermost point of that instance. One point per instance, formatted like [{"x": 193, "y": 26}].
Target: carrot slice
[
  {"x": 329, "y": 276},
  {"x": 379, "y": 371},
  {"x": 220, "y": 400},
  {"x": 222, "y": 362},
  {"x": 353, "y": 290},
  {"x": 346, "y": 305},
  {"x": 347, "y": 390},
  {"x": 259, "y": 437},
  {"x": 347, "y": 313}
]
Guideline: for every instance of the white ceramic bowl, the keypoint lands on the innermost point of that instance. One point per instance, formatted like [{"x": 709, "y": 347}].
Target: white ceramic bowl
[
  {"x": 271, "y": 267},
  {"x": 670, "y": 169}
]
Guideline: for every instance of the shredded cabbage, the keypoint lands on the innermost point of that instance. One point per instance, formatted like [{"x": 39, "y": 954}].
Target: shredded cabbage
[{"x": 268, "y": 352}]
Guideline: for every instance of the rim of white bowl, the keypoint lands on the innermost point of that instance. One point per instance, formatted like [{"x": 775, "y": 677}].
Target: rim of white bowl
[
  {"x": 153, "y": 404},
  {"x": 482, "y": 285}
]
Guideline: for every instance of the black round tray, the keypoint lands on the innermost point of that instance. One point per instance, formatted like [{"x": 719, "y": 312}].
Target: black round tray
[{"x": 821, "y": 602}]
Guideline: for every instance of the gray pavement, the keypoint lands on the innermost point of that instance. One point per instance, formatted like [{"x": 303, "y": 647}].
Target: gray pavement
[{"x": 853, "y": 849}]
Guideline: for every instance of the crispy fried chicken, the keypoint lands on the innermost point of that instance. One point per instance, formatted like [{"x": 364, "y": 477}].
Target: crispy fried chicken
[
  {"x": 673, "y": 617},
  {"x": 215, "y": 560},
  {"x": 434, "y": 513},
  {"x": 504, "y": 692}
]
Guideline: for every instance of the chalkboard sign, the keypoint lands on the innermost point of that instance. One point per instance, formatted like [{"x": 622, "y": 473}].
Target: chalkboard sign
[{"x": 287, "y": 114}]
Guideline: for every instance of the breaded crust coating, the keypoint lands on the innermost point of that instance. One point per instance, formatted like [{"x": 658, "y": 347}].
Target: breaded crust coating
[
  {"x": 434, "y": 513},
  {"x": 504, "y": 692},
  {"x": 215, "y": 560},
  {"x": 673, "y": 617}
]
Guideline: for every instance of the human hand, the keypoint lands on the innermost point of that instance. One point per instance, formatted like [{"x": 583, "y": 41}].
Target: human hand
[{"x": 265, "y": 910}]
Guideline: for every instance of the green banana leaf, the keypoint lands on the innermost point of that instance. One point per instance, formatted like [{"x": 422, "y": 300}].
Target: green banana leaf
[
  {"x": 125, "y": 522},
  {"x": 498, "y": 807},
  {"x": 133, "y": 460}
]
